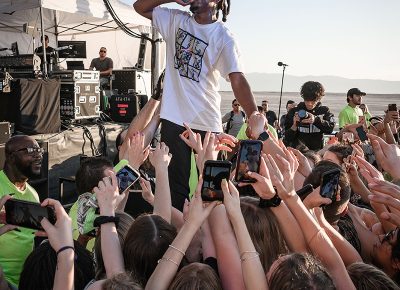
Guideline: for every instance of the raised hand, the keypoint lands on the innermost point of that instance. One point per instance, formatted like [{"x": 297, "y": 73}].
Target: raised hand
[
  {"x": 368, "y": 171},
  {"x": 134, "y": 151},
  {"x": 160, "y": 157},
  {"x": 59, "y": 234},
  {"x": 387, "y": 193},
  {"x": 192, "y": 139},
  {"x": 147, "y": 193},
  {"x": 107, "y": 194},
  {"x": 314, "y": 199},
  {"x": 304, "y": 166}
]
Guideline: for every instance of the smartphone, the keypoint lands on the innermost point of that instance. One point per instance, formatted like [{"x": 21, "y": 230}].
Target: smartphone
[
  {"x": 126, "y": 177},
  {"x": 213, "y": 174},
  {"x": 392, "y": 107},
  {"x": 361, "y": 133},
  {"x": 27, "y": 214},
  {"x": 249, "y": 158},
  {"x": 330, "y": 184},
  {"x": 305, "y": 190},
  {"x": 361, "y": 119}
]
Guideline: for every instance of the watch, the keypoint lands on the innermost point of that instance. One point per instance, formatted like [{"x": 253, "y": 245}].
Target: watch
[
  {"x": 273, "y": 202},
  {"x": 263, "y": 136},
  {"x": 105, "y": 220}
]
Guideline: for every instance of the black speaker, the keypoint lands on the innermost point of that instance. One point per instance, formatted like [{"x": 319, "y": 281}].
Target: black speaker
[
  {"x": 124, "y": 80},
  {"x": 123, "y": 108}
]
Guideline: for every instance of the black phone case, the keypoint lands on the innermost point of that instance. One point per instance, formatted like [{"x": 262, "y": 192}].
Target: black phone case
[
  {"x": 325, "y": 181},
  {"x": 217, "y": 192},
  {"x": 33, "y": 215},
  {"x": 254, "y": 142}
]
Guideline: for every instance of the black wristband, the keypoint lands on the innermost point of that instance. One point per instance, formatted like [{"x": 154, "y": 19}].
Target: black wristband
[
  {"x": 105, "y": 220},
  {"x": 263, "y": 136},
  {"x": 65, "y": 248},
  {"x": 273, "y": 202}
]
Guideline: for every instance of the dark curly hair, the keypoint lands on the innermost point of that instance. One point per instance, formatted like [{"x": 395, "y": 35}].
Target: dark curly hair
[{"x": 312, "y": 91}]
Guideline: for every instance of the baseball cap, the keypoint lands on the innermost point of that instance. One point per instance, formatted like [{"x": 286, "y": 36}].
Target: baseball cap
[{"x": 355, "y": 91}]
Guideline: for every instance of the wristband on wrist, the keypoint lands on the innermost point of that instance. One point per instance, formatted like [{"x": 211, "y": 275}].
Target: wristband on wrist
[
  {"x": 272, "y": 202},
  {"x": 65, "y": 248},
  {"x": 105, "y": 220}
]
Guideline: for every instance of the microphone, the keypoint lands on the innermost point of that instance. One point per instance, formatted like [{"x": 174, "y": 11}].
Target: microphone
[{"x": 282, "y": 64}]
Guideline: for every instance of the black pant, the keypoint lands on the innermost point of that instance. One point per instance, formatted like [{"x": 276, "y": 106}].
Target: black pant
[{"x": 179, "y": 168}]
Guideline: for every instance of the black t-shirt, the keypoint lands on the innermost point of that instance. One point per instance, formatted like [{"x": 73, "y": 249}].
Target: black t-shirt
[
  {"x": 49, "y": 54},
  {"x": 101, "y": 65},
  {"x": 271, "y": 117}
]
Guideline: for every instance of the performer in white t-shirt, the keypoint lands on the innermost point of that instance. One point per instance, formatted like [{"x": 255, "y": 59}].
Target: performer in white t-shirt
[{"x": 200, "y": 49}]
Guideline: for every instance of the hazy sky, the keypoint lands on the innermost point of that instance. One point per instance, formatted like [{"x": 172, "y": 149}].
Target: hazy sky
[{"x": 352, "y": 39}]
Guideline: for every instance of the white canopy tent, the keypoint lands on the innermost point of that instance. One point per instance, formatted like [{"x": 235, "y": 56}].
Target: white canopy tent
[{"x": 86, "y": 20}]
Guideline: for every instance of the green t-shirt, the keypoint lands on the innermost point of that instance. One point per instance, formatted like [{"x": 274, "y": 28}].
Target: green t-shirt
[
  {"x": 15, "y": 246},
  {"x": 350, "y": 115},
  {"x": 73, "y": 212},
  {"x": 242, "y": 132}
]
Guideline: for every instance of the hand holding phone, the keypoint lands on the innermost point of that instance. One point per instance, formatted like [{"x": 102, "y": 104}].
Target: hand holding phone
[
  {"x": 249, "y": 159},
  {"x": 330, "y": 184},
  {"x": 126, "y": 176},
  {"x": 213, "y": 174},
  {"x": 362, "y": 135},
  {"x": 28, "y": 214}
]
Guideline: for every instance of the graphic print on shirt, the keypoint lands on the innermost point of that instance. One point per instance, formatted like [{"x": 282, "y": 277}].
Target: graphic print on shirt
[{"x": 189, "y": 52}]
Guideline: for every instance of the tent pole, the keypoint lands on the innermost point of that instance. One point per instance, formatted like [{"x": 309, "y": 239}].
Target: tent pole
[{"x": 43, "y": 43}]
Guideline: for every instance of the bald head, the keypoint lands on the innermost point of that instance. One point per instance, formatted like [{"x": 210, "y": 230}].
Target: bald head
[{"x": 17, "y": 142}]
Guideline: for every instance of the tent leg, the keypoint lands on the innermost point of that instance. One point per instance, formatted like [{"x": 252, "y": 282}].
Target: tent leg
[{"x": 43, "y": 43}]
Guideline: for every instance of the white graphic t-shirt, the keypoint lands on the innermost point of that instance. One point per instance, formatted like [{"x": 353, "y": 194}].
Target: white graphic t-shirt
[{"x": 197, "y": 55}]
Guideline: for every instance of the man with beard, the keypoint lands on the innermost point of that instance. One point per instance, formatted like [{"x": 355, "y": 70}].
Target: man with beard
[
  {"x": 199, "y": 50},
  {"x": 353, "y": 113},
  {"x": 23, "y": 161}
]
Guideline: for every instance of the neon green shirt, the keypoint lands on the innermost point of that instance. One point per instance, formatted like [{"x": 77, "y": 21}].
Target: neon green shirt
[
  {"x": 74, "y": 211},
  {"x": 15, "y": 246},
  {"x": 242, "y": 132},
  {"x": 350, "y": 115}
]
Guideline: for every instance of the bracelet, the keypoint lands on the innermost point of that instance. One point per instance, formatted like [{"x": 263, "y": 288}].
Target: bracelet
[
  {"x": 176, "y": 249},
  {"x": 316, "y": 234},
  {"x": 168, "y": 260},
  {"x": 65, "y": 248},
  {"x": 248, "y": 252}
]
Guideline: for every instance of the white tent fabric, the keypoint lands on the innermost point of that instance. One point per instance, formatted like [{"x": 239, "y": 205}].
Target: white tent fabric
[{"x": 74, "y": 20}]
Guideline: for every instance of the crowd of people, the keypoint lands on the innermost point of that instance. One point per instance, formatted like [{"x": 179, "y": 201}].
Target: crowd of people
[{"x": 279, "y": 232}]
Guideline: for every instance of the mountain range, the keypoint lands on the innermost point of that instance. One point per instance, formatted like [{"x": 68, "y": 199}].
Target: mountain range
[{"x": 271, "y": 82}]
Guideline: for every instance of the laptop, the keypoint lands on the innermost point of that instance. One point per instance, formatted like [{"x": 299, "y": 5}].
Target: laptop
[{"x": 75, "y": 65}]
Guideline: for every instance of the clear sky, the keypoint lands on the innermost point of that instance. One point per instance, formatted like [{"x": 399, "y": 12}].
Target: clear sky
[{"x": 352, "y": 39}]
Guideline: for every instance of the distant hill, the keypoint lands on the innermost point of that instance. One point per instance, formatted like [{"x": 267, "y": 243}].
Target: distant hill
[{"x": 272, "y": 83}]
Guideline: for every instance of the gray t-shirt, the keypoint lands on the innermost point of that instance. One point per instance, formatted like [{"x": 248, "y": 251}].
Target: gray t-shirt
[
  {"x": 235, "y": 124},
  {"x": 101, "y": 65}
]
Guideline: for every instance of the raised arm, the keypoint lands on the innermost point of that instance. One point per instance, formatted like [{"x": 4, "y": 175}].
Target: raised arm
[
  {"x": 242, "y": 92},
  {"x": 145, "y": 7}
]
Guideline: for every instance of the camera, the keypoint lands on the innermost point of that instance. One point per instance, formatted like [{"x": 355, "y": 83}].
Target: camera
[{"x": 302, "y": 114}]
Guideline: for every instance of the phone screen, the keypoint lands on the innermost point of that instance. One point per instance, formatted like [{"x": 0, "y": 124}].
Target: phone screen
[
  {"x": 27, "y": 214},
  {"x": 361, "y": 133},
  {"x": 248, "y": 160},
  {"x": 213, "y": 174},
  {"x": 126, "y": 177},
  {"x": 330, "y": 183}
]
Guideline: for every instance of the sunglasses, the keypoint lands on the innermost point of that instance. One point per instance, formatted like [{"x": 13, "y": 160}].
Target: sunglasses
[
  {"x": 32, "y": 150},
  {"x": 103, "y": 51},
  {"x": 236, "y": 105}
]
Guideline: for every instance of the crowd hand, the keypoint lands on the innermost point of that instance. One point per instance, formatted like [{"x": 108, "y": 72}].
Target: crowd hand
[
  {"x": 59, "y": 234},
  {"x": 283, "y": 177},
  {"x": 296, "y": 120},
  {"x": 387, "y": 155},
  {"x": 314, "y": 199},
  {"x": 310, "y": 119},
  {"x": 223, "y": 139},
  {"x": 199, "y": 211},
  {"x": 160, "y": 157},
  {"x": 353, "y": 129},
  {"x": 207, "y": 151},
  {"x": 191, "y": 138},
  {"x": 304, "y": 166},
  {"x": 368, "y": 171},
  {"x": 391, "y": 116},
  {"x": 256, "y": 124},
  {"x": 263, "y": 185},
  {"x": 107, "y": 194},
  {"x": 231, "y": 200},
  {"x": 287, "y": 155},
  {"x": 358, "y": 151},
  {"x": 388, "y": 194},
  {"x": 6, "y": 228},
  {"x": 147, "y": 193},
  {"x": 134, "y": 151}
]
